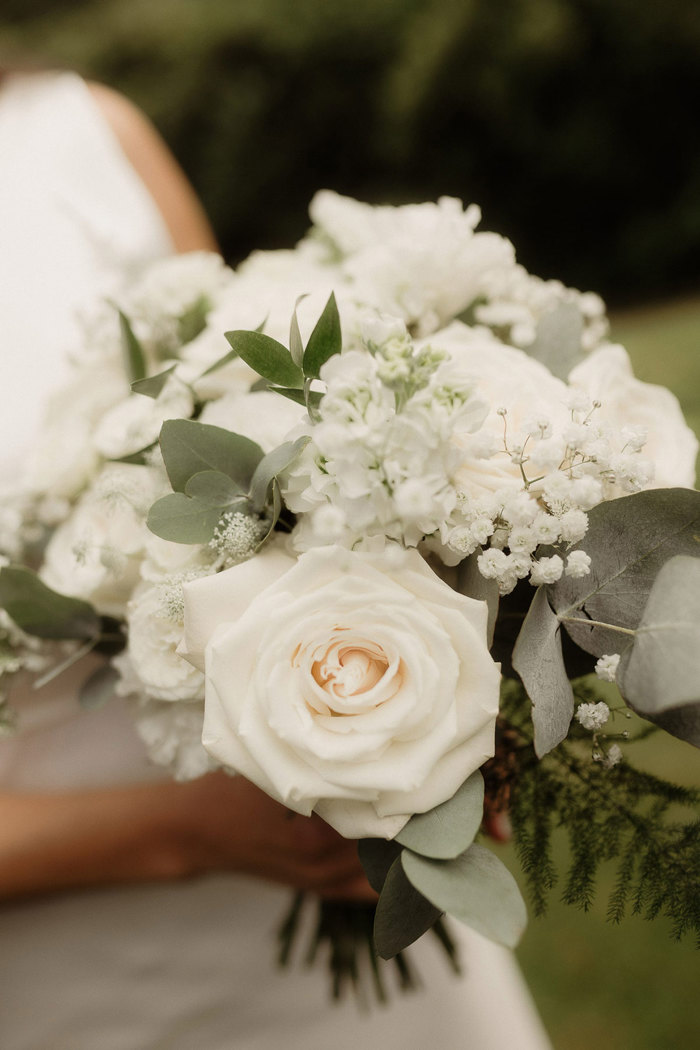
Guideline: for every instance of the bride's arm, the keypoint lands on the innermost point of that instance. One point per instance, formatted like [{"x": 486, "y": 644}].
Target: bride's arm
[
  {"x": 158, "y": 170},
  {"x": 168, "y": 831}
]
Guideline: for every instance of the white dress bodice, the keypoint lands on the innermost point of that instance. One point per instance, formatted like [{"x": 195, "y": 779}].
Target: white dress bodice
[{"x": 169, "y": 966}]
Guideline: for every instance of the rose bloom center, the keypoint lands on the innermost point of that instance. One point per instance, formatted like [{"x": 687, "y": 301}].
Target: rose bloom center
[{"x": 345, "y": 670}]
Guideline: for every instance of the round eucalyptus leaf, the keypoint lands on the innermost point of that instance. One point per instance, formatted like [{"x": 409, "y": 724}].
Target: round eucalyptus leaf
[
  {"x": 403, "y": 914},
  {"x": 659, "y": 673},
  {"x": 445, "y": 831},
  {"x": 475, "y": 888}
]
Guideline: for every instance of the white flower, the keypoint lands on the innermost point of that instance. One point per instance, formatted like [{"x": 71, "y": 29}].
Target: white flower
[
  {"x": 593, "y": 716},
  {"x": 64, "y": 460},
  {"x": 154, "y": 635},
  {"x": 264, "y": 417},
  {"x": 96, "y": 553},
  {"x": 344, "y": 683},
  {"x": 546, "y": 570},
  {"x": 578, "y": 564},
  {"x": 421, "y": 262},
  {"x": 135, "y": 423},
  {"x": 613, "y": 757},
  {"x": 606, "y": 666},
  {"x": 628, "y": 403},
  {"x": 172, "y": 734}
]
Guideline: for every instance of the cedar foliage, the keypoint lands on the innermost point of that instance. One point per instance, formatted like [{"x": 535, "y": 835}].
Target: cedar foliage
[{"x": 625, "y": 816}]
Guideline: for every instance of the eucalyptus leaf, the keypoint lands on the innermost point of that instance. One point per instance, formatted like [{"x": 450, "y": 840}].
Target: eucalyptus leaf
[
  {"x": 538, "y": 659},
  {"x": 475, "y": 888},
  {"x": 99, "y": 687},
  {"x": 267, "y": 357},
  {"x": 659, "y": 673},
  {"x": 190, "y": 447},
  {"x": 181, "y": 519},
  {"x": 213, "y": 488},
  {"x": 447, "y": 830},
  {"x": 194, "y": 320},
  {"x": 628, "y": 540},
  {"x": 558, "y": 340},
  {"x": 133, "y": 352},
  {"x": 325, "y": 341},
  {"x": 403, "y": 914},
  {"x": 376, "y": 857},
  {"x": 471, "y": 583},
  {"x": 296, "y": 346},
  {"x": 42, "y": 612},
  {"x": 272, "y": 465},
  {"x": 152, "y": 386},
  {"x": 276, "y": 509}
]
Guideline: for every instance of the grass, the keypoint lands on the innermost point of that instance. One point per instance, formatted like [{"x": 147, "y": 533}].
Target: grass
[{"x": 627, "y": 987}]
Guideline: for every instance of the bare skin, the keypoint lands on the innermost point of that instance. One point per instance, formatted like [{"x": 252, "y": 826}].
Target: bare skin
[{"x": 166, "y": 830}]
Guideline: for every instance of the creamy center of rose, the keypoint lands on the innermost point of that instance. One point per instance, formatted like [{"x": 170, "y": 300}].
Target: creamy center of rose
[{"x": 345, "y": 669}]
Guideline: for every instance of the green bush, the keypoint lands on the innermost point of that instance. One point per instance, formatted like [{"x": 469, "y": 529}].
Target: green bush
[{"x": 571, "y": 122}]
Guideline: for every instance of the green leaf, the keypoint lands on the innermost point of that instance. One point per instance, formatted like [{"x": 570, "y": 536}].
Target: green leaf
[
  {"x": 181, "y": 519},
  {"x": 213, "y": 488},
  {"x": 38, "y": 610},
  {"x": 193, "y": 320},
  {"x": 190, "y": 447},
  {"x": 325, "y": 341},
  {"x": 628, "y": 540},
  {"x": 558, "y": 340},
  {"x": 296, "y": 346},
  {"x": 376, "y": 857},
  {"x": 267, "y": 357},
  {"x": 538, "y": 659},
  {"x": 475, "y": 888},
  {"x": 659, "y": 673},
  {"x": 99, "y": 687},
  {"x": 134, "y": 356},
  {"x": 272, "y": 465},
  {"x": 472, "y": 584},
  {"x": 447, "y": 830},
  {"x": 311, "y": 399},
  {"x": 152, "y": 385},
  {"x": 403, "y": 914}
]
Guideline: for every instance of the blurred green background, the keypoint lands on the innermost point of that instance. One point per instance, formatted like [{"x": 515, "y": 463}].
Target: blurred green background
[{"x": 573, "y": 123}]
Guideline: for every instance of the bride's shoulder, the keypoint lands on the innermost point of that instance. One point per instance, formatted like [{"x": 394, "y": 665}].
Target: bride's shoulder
[{"x": 157, "y": 168}]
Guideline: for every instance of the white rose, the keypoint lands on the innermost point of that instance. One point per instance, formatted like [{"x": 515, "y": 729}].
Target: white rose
[
  {"x": 344, "y": 683},
  {"x": 262, "y": 416},
  {"x": 626, "y": 401},
  {"x": 504, "y": 378}
]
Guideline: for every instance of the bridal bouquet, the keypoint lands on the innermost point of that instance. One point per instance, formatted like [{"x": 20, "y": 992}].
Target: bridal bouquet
[{"x": 376, "y": 522}]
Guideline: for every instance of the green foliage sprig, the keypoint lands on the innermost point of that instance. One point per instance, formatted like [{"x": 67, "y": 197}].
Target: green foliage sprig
[{"x": 622, "y": 815}]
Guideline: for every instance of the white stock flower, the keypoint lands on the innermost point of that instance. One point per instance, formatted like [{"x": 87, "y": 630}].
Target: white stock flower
[{"x": 356, "y": 685}]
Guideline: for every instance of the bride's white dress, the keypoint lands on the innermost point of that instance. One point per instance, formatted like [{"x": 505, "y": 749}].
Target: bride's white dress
[{"x": 181, "y": 966}]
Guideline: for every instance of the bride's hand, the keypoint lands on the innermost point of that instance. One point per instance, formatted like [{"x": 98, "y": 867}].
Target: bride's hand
[
  {"x": 228, "y": 823},
  {"x": 165, "y": 831}
]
